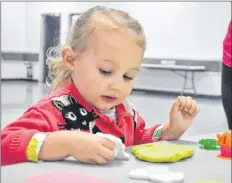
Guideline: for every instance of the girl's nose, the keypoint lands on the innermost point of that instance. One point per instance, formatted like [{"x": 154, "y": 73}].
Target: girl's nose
[{"x": 116, "y": 84}]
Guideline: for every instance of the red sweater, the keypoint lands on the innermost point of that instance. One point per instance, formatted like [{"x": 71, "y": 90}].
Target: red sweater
[
  {"x": 227, "y": 47},
  {"x": 65, "y": 109}
]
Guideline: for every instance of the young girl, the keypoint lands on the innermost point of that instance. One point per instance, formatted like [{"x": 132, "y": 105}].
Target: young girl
[{"x": 92, "y": 81}]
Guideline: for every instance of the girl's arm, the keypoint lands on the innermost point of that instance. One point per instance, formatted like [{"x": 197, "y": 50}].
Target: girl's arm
[{"x": 23, "y": 139}]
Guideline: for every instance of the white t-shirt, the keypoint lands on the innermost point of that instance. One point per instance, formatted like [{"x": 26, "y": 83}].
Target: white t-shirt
[{"x": 111, "y": 113}]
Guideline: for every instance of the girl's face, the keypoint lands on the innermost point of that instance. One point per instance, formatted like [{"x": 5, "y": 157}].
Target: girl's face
[{"x": 105, "y": 73}]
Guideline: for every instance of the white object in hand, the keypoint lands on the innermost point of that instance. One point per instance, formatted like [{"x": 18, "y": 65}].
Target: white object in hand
[
  {"x": 119, "y": 151},
  {"x": 157, "y": 174}
]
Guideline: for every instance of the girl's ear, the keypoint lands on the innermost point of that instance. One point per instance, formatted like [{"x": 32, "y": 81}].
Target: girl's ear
[{"x": 68, "y": 57}]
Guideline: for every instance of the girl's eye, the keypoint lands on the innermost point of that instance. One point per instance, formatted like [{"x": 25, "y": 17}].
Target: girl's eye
[
  {"x": 105, "y": 72},
  {"x": 127, "y": 78}
]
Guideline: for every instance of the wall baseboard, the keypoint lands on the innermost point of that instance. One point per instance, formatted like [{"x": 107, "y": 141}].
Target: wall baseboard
[
  {"x": 173, "y": 93},
  {"x": 210, "y": 65},
  {"x": 20, "y": 56},
  {"x": 19, "y": 79}
]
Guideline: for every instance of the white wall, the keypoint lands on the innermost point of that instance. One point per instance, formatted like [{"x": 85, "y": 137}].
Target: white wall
[
  {"x": 21, "y": 29},
  {"x": 212, "y": 24},
  {"x": 13, "y": 26},
  {"x": 173, "y": 29},
  {"x": 190, "y": 30},
  {"x": 193, "y": 30},
  {"x": 14, "y": 38},
  {"x": 35, "y": 9}
]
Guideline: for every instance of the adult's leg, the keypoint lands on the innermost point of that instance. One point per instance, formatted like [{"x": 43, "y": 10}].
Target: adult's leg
[{"x": 226, "y": 91}]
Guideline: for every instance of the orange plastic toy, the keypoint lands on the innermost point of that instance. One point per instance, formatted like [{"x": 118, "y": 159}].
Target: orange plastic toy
[{"x": 225, "y": 143}]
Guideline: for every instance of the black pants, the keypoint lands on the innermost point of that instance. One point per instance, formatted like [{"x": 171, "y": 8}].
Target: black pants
[{"x": 226, "y": 91}]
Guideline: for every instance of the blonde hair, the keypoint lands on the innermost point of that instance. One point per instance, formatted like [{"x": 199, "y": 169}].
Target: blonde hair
[{"x": 87, "y": 23}]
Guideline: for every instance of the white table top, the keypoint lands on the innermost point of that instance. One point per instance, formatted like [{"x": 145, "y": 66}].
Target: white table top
[
  {"x": 174, "y": 67},
  {"x": 203, "y": 165}
]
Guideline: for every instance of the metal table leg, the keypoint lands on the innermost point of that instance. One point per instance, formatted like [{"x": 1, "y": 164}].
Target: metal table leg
[
  {"x": 193, "y": 83},
  {"x": 185, "y": 82},
  {"x": 186, "y": 78}
]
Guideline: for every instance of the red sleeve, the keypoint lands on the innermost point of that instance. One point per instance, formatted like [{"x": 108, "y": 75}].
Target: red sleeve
[
  {"x": 143, "y": 135},
  {"x": 227, "y": 43},
  {"x": 16, "y": 136}
]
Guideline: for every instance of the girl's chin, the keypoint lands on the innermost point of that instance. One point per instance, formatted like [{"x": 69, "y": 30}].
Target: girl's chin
[
  {"x": 101, "y": 108},
  {"x": 104, "y": 107}
]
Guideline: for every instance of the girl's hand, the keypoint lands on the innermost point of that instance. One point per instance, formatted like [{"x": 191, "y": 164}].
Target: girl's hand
[
  {"x": 182, "y": 113},
  {"x": 90, "y": 148}
]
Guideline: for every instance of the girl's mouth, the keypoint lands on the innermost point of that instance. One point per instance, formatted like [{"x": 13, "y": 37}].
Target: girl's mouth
[{"x": 109, "y": 98}]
